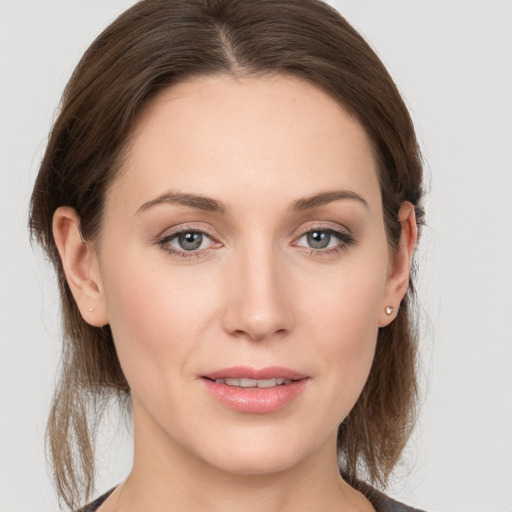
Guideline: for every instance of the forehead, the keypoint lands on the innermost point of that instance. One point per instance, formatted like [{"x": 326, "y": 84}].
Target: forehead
[{"x": 219, "y": 136}]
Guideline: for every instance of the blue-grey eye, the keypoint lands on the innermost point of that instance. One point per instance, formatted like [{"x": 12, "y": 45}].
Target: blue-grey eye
[
  {"x": 189, "y": 240},
  {"x": 318, "y": 239},
  {"x": 326, "y": 238}
]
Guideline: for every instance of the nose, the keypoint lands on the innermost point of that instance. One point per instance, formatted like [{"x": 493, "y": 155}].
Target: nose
[{"x": 258, "y": 303}]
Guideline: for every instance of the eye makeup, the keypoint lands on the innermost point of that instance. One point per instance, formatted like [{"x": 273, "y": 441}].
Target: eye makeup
[
  {"x": 324, "y": 241},
  {"x": 188, "y": 242}
]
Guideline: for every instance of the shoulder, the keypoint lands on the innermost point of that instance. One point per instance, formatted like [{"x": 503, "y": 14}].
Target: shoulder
[
  {"x": 383, "y": 503},
  {"x": 93, "y": 506},
  {"x": 386, "y": 504}
]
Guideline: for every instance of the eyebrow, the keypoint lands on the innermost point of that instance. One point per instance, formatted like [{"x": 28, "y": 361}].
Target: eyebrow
[
  {"x": 192, "y": 200},
  {"x": 213, "y": 205},
  {"x": 323, "y": 198}
]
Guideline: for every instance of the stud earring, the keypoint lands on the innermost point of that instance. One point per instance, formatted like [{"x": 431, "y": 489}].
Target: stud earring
[{"x": 389, "y": 310}]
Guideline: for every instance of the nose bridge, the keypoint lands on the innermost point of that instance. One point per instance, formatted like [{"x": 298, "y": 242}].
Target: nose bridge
[{"x": 258, "y": 305}]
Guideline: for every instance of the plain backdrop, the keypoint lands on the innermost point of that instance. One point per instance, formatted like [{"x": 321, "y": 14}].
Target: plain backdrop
[{"x": 452, "y": 61}]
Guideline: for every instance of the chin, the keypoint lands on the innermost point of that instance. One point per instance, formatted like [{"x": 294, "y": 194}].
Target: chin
[
  {"x": 256, "y": 464},
  {"x": 260, "y": 453}
]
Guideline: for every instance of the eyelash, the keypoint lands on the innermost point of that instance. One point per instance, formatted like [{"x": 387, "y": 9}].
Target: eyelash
[
  {"x": 345, "y": 241},
  {"x": 164, "y": 243}
]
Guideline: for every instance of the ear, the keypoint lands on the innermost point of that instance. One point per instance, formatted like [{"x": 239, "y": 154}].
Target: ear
[
  {"x": 80, "y": 265},
  {"x": 397, "y": 280}
]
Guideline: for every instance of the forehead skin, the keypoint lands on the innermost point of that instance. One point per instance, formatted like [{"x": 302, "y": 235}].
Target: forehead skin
[{"x": 273, "y": 130}]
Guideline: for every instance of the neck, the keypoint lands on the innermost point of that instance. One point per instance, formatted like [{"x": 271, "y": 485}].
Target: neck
[{"x": 166, "y": 477}]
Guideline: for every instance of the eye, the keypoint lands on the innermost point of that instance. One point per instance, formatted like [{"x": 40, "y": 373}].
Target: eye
[
  {"x": 318, "y": 239},
  {"x": 187, "y": 243},
  {"x": 324, "y": 239},
  {"x": 189, "y": 240}
]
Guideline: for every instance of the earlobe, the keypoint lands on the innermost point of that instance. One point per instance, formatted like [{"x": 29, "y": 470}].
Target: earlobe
[
  {"x": 400, "y": 265},
  {"x": 80, "y": 266}
]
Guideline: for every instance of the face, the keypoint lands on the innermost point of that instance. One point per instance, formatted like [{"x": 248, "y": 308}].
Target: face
[{"x": 244, "y": 270}]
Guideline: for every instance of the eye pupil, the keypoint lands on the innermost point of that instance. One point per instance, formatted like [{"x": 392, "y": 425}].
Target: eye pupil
[
  {"x": 318, "y": 239},
  {"x": 190, "y": 240}
]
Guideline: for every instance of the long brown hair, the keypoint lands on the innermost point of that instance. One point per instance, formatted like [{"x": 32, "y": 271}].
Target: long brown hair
[{"x": 150, "y": 47}]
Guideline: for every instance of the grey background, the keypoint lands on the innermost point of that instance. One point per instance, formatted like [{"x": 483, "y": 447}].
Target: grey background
[{"x": 452, "y": 61}]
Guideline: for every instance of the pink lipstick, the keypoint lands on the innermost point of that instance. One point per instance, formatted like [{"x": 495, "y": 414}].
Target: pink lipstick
[{"x": 256, "y": 391}]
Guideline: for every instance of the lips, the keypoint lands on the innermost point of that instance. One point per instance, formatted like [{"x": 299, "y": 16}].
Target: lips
[
  {"x": 240, "y": 372},
  {"x": 254, "y": 383},
  {"x": 256, "y": 391}
]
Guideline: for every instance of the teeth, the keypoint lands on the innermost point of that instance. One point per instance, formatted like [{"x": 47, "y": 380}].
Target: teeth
[
  {"x": 267, "y": 383},
  {"x": 253, "y": 383},
  {"x": 243, "y": 383}
]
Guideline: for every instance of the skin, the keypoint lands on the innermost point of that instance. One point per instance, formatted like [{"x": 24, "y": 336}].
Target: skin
[{"x": 255, "y": 293}]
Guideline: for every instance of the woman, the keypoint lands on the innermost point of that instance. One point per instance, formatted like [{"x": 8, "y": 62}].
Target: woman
[{"x": 231, "y": 197}]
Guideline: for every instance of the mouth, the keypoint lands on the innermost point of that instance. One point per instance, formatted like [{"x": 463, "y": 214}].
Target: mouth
[
  {"x": 249, "y": 390},
  {"x": 254, "y": 383},
  {"x": 247, "y": 377}
]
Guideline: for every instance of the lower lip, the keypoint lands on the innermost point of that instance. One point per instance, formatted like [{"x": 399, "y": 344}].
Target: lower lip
[{"x": 256, "y": 400}]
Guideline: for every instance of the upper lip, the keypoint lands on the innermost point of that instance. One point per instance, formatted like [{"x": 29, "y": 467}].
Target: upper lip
[{"x": 241, "y": 372}]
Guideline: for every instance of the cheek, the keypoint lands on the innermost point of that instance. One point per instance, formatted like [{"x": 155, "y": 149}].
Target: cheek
[
  {"x": 342, "y": 319},
  {"x": 348, "y": 335},
  {"x": 345, "y": 300},
  {"x": 153, "y": 322}
]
